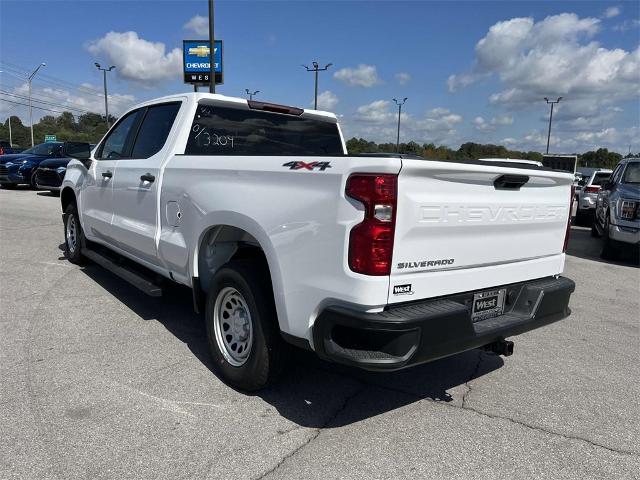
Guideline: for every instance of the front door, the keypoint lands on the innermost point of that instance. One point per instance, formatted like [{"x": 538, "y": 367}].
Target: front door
[{"x": 96, "y": 197}]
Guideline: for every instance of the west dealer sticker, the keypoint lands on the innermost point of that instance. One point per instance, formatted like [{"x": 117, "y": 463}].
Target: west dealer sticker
[{"x": 402, "y": 289}]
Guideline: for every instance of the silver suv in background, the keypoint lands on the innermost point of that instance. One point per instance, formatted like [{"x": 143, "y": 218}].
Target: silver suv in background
[
  {"x": 617, "y": 218},
  {"x": 587, "y": 196}
]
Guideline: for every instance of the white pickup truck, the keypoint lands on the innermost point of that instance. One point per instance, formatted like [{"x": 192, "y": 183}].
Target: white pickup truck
[{"x": 376, "y": 262}]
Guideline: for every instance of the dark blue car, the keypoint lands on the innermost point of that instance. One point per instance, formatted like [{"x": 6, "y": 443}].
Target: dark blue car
[{"x": 20, "y": 168}]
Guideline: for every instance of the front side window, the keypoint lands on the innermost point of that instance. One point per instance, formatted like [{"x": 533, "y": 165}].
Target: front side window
[
  {"x": 236, "y": 131},
  {"x": 632, "y": 173},
  {"x": 114, "y": 146},
  {"x": 155, "y": 129}
]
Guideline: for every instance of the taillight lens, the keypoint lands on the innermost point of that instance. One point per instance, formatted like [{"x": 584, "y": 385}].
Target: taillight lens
[
  {"x": 566, "y": 234},
  {"x": 1, "y": 151},
  {"x": 592, "y": 189},
  {"x": 371, "y": 241}
]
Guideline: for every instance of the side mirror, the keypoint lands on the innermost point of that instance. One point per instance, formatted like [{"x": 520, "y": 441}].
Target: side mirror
[{"x": 78, "y": 150}]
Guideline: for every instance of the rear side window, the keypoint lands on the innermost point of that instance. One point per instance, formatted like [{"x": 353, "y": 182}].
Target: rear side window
[
  {"x": 600, "y": 178},
  {"x": 632, "y": 173},
  {"x": 155, "y": 129},
  {"x": 235, "y": 131},
  {"x": 115, "y": 144}
]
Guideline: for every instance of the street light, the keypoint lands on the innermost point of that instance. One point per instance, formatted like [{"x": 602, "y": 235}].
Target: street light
[
  {"x": 104, "y": 78},
  {"x": 251, "y": 94},
  {"x": 399, "y": 104},
  {"x": 316, "y": 69},
  {"x": 33, "y": 74},
  {"x": 552, "y": 103}
]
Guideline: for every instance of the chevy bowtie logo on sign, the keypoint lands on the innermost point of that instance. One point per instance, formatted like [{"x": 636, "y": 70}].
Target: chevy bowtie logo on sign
[{"x": 196, "y": 55}]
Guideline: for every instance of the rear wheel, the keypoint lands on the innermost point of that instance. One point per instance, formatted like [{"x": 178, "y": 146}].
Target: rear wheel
[
  {"x": 73, "y": 235},
  {"x": 32, "y": 182},
  {"x": 242, "y": 326}
]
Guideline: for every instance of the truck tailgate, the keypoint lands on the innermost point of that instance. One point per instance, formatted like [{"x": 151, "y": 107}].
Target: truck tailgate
[{"x": 462, "y": 226}]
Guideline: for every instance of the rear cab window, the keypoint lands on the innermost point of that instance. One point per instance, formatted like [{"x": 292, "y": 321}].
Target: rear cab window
[
  {"x": 241, "y": 131},
  {"x": 600, "y": 178}
]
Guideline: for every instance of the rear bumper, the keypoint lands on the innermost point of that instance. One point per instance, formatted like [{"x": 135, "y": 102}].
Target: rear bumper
[
  {"x": 418, "y": 332},
  {"x": 625, "y": 234}
]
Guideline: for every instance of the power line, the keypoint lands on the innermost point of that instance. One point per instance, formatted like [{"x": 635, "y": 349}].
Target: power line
[
  {"x": 43, "y": 78},
  {"x": 33, "y": 99},
  {"x": 33, "y": 106}
]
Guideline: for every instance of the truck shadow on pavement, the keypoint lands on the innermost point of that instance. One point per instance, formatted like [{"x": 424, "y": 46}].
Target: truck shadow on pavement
[
  {"x": 311, "y": 393},
  {"x": 583, "y": 245}
]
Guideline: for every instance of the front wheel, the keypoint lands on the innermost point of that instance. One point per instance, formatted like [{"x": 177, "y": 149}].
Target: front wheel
[
  {"x": 609, "y": 251},
  {"x": 242, "y": 326},
  {"x": 73, "y": 235}
]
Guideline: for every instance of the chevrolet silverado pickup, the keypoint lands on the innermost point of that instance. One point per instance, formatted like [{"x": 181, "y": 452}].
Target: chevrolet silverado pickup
[{"x": 376, "y": 262}]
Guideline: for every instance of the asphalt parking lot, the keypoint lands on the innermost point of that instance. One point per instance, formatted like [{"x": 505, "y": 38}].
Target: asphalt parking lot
[{"x": 99, "y": 381}]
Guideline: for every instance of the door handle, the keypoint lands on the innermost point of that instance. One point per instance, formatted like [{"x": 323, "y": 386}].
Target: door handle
[
  {"x": 107, "y": 174},
  {"x": 147, "y": 177}
]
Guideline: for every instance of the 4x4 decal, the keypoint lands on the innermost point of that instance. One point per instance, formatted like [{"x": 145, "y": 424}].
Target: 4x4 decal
[{"x": 297, "y": 165}]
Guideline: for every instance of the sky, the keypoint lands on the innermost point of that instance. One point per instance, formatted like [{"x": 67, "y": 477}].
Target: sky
[{"x": 471, "y": 71}]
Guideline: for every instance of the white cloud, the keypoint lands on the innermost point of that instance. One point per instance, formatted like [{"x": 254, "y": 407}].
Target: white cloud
[
  {"x": 361, "y": 76},
  {"x": 611, "y": 12},
  {"x": 484, "y": 126},
  {"x": 403, "y": 78},
  {"x": 374, "y": 112},
  {"x": 137, "y": 59},
  {"x": 556, "y": 56},
  {"x": 327, "y": 100},
  {"x": 198, "y": 25}
]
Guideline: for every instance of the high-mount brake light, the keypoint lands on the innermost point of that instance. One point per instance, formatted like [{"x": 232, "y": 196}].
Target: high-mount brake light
[
  {"x": 371, "y": 241},
  {"x": 274, "y": 107}
]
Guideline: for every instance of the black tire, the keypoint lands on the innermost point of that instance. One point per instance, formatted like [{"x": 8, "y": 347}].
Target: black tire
[
  {"x": 267, "y": 351},
  {"x": 72, "y": 249},
  {"x": 9, "y": 186},
  {"x": 609, "y": 250},
  {"x": 32, "y": 182},
  {"x": 594, "y": 229}
]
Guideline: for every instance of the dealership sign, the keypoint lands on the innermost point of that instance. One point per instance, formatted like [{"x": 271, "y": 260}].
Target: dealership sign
[{"x": 196, "y": 55}]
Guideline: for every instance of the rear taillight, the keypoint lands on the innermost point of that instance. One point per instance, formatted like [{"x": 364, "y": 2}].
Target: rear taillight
[
  {"x": 371, "y": 241},
  {"x": 592, "y": 189},
  {"x": 1, "y": 151},
  {"x": 566, "y": 234}
]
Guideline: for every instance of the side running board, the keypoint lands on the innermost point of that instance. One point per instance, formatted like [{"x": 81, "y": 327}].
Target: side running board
[{"x": 127, "y": 274}]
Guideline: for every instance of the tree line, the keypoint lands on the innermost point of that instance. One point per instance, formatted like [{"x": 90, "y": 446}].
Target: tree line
[
  {"x": 90, "y": 127},
  {"x": 601, "y": 158}
]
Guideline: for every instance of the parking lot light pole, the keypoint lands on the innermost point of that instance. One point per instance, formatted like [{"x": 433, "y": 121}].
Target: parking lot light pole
[
  {"x": 399, "y": 104},
  {"x": 104, "y": 78},
  {"x": 250, "y": 93},
  {"x": 552, "y": 103},
  {"x": 212, "y": 52},
  {"x": 316, "y": 69},
  {"x": 33, "y": 74}
]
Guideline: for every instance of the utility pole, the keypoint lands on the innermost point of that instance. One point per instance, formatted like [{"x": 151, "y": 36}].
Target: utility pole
[
  {"x": 399, "y": 104},
  {"x": 552, "y": 103},
  {"x": 212, "y": 52},
  {"x": 251, "y": 94},
  {"x": 104, "y": 78},
  {"x": 10, "y": 137},
  {"x": 316, "y": 69},
  {"x": 33, "y": 74}
]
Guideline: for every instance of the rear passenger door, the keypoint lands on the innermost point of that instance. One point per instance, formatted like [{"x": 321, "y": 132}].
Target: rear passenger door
[{"x": 137, "y": 182}]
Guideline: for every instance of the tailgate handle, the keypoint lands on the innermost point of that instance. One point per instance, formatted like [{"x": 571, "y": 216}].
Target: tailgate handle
[{"x": 510, "y": 182}]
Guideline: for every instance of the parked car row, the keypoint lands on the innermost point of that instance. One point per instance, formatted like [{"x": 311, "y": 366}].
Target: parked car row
[{"x": 41, "y": 167}]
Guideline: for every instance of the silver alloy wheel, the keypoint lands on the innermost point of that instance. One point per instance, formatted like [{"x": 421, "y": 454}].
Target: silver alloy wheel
[
  {"x": 72, "y": 233},
  {"x": 232, "y": 325}
]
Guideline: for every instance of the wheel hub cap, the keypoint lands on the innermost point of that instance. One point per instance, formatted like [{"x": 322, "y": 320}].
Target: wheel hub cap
[{"x": 232, "y": 326}]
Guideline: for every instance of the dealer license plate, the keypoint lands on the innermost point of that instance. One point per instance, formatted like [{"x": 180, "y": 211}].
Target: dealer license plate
[{"x": 488, "y": 304}]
